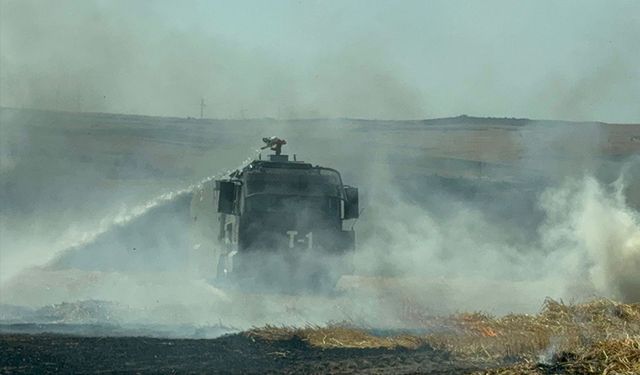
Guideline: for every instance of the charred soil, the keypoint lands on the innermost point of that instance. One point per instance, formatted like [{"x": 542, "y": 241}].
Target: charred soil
[{"x": 238, "y": 353}]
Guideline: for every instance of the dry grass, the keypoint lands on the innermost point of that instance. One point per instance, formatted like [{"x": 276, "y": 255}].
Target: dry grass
[
  {"x": 598, "y": 337},
  {"x": 601, "y": 336},
  {"x": 336, "y": 336},
  {"x": 620, "y": 356},
  {"x": 557, "y": 327}
]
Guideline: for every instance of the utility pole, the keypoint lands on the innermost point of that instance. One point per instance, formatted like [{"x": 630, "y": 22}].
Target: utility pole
[{"x": 202, "y": 105}]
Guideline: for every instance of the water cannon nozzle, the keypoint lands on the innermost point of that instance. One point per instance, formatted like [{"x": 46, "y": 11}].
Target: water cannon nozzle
[{"x": 274, "y": 144}]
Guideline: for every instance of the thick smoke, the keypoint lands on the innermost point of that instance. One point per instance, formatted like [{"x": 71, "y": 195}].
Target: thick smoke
[
  {"x": 426, "y": 242},
  {"x": 595, "y": 236},
  {"x": 563, "y": 228},
  {"x": 586, "y": 245}
]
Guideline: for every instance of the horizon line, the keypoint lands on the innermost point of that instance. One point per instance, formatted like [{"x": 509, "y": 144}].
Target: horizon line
[{"x": 460, "y": 116}]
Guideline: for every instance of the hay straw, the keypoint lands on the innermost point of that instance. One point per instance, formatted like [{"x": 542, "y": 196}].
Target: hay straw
[
  {"x": 336, "y": 336},
  {"x": 600, "y": 336}
]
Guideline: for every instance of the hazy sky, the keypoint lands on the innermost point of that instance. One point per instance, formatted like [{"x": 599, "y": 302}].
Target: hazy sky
[{"x": 576, "y": 60}]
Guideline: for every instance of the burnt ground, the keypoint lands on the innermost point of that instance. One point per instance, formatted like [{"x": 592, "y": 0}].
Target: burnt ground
[{"x": 54, "y": 353}]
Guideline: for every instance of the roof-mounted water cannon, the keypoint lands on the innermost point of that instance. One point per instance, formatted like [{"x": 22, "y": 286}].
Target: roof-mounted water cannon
[{"x": 275, "y": 144}]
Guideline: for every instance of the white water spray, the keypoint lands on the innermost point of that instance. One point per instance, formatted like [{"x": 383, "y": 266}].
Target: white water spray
[{"x": 73, "y": 239}]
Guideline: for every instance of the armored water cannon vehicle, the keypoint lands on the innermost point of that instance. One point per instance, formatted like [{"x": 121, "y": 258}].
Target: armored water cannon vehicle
[{"x": 282, "y": 222}]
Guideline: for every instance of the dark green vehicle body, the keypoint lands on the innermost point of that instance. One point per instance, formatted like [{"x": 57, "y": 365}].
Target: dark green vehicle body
[{"x": 281, "y": 223}]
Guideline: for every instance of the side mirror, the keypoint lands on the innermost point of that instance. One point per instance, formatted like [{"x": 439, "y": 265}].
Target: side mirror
[
  {"x": 351, "y": 205},
  {"x": 226, "y": 197}
]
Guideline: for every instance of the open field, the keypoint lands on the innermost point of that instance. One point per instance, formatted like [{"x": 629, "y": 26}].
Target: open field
[
  {"x": 61, "y": 167},
  {"x": 92, "y": 158}
]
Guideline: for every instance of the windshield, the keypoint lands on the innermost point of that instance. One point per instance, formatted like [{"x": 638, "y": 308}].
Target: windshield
[
  {"x": 323, "y": 183},
  {"x": 313, "y": 206}
]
